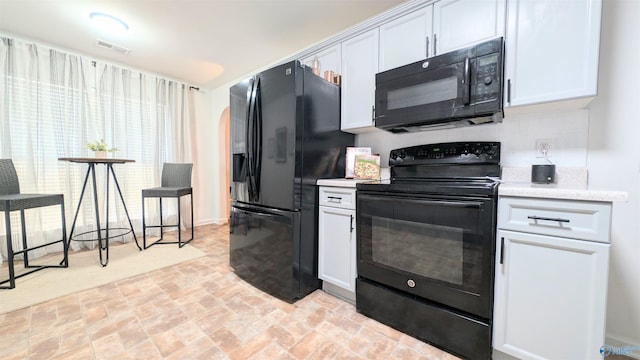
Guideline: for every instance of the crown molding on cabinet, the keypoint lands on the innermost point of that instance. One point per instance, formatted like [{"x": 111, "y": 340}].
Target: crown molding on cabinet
[{"x": 367, "y": 25}]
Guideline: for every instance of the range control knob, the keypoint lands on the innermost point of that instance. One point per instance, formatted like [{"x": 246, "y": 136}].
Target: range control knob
[{"x": 488, "y": 80}]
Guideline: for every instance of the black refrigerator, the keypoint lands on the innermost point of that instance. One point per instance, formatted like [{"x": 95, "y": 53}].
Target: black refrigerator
[{"x": 285, "y": 134}]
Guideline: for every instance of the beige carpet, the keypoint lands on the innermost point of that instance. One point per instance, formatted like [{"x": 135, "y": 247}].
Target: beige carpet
[{"x": 85, "y": 272}]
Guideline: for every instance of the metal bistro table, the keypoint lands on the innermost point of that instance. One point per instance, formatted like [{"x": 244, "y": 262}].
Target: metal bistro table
[{"x": 91, "y": 170}]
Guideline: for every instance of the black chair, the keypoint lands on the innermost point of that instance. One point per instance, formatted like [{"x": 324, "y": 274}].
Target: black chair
[
  {"x": 12, "y": 200},
  {"x": 175, "y": 183}
]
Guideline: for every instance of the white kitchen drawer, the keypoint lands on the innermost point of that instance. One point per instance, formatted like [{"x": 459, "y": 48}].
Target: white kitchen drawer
[
  {"x": 338, "y": 197},
  {"x": 584, "y": 220}
]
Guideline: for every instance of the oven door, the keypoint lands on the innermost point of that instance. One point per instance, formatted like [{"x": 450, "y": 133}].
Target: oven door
[{"x": 436, "y": 247}]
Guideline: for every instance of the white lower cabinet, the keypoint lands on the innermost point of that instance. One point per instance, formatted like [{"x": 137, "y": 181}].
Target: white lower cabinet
[
  {"x": 337, "y": 241},
  {"x": 550, "y": 291}
]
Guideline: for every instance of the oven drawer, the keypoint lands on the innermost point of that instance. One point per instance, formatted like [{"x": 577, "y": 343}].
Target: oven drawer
[
  {"x": 584, "y": 220},
  {"x": 338, "y": 197}
]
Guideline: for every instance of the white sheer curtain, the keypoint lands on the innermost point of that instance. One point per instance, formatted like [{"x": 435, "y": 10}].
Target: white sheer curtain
[{"x": 54, "y": 103}]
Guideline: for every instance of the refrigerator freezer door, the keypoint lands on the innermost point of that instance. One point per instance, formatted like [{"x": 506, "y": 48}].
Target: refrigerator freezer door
[{"x": 264, "y": 249}]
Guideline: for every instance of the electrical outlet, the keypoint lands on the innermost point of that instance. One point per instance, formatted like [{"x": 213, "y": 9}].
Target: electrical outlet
[{"x": 543, "y": 148}]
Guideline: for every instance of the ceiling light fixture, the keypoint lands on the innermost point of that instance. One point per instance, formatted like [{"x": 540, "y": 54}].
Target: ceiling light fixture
[{"x": 108, "y": 22}]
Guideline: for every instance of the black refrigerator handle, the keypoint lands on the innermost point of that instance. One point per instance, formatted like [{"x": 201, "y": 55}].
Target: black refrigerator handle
[
  {"x": 251, "y": 145},
  {"x": 258, "y": 136}
]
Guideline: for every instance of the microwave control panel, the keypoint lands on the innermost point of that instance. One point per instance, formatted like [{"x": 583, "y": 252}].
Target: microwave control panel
[{"x": 488, "y": 78}]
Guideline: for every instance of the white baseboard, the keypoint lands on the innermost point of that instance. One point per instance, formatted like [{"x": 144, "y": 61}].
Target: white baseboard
[
  {"x": 621, "y": 342},
  {"x": 219, "y": 221}
]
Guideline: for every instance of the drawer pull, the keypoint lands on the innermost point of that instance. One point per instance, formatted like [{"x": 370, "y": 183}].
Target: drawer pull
[
  {"x": 548, "y": 219},
  {"x": 334, "y": 199}
]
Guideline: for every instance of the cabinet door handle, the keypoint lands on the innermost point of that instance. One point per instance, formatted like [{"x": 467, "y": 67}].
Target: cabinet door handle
[
  {"x": 509, "y": 91},
  {"x": 351, "y": 223},
  {"x": 373, "y": 113},
  {"x": 536, "y": 218},
  {"x": 501, "y": 250},
  {"x": 334, "y": 199},
  {"x": 427, "y": 46},
  {"x": 435, "y": 42}
]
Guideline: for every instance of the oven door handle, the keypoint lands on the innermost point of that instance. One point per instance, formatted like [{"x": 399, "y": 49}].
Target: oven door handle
[{"x": 461, "y": 204}]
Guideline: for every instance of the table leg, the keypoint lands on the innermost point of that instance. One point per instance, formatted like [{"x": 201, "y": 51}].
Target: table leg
[
  {"x": 97, "y": 210},
  {"x": 73, "y": 226},
  {"x": 115, "y": 180},
  {"x": 106, "y": 225}
]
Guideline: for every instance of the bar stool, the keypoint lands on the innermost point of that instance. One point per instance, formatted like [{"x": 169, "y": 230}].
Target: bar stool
[
  {"x": 175, "y": 183},
  {"x": 12, "y": 200}
]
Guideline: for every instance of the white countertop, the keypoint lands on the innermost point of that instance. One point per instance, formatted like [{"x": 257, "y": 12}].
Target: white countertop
[
  {"x": 571, "y": 184},
  {"x": 351, "y": 183},
  {"x": 348, "y": 183},
  {"x": 553, "y": 191}
]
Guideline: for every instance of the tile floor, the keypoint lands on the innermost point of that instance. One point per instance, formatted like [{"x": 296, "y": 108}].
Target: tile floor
[{"x": 199, "y": 310}]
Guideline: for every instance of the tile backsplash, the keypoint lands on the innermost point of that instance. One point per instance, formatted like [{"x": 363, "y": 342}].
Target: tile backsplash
[{"x": 567, "y": 130}]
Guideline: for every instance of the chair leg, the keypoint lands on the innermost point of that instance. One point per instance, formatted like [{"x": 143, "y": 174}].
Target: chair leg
[
  {"x": 161, "y": 228},
  {"x": 144, "y": 227},
  {"x": 65, "y": 247},
  {"x": 24, "y": 239},
  {"x": 179, "y": 227},
  {"x": 7, "y": 221},
  {"x": 192, "y": 226}
]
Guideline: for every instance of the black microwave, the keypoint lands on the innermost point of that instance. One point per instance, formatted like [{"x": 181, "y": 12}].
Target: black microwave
[{"x": 460, "y": 88}]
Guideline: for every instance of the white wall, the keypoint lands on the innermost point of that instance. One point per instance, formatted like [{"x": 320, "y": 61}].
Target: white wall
[
  {"x": 204, "y": 171},
  {"x": 605, "y": 138},
  {"x": 211, "y": 207},
  {"x": 614, "y": 161}
]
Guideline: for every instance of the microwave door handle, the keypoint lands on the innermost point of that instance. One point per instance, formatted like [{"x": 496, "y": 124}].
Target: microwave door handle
[{"x": 466, "y": 83}]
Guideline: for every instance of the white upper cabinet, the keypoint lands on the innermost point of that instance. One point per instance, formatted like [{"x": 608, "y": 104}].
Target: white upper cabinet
[
  {"x": 406, "y": 39},
  {"x": 359, "y": 67},
  {"x": 330, "y": 59},
  {"x": 551, "y": 50},
  {"x": 435, "y": 29},
  {"x": 460, "y": 23}
]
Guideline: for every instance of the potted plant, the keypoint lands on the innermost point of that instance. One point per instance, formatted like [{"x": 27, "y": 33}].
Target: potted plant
[{"x": 100, "y": 148}]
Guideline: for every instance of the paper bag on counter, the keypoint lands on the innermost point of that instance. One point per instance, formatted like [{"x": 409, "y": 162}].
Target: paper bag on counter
[
  {"x": 351, "y": 159},
  {"x": 367, "y": 167}
]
